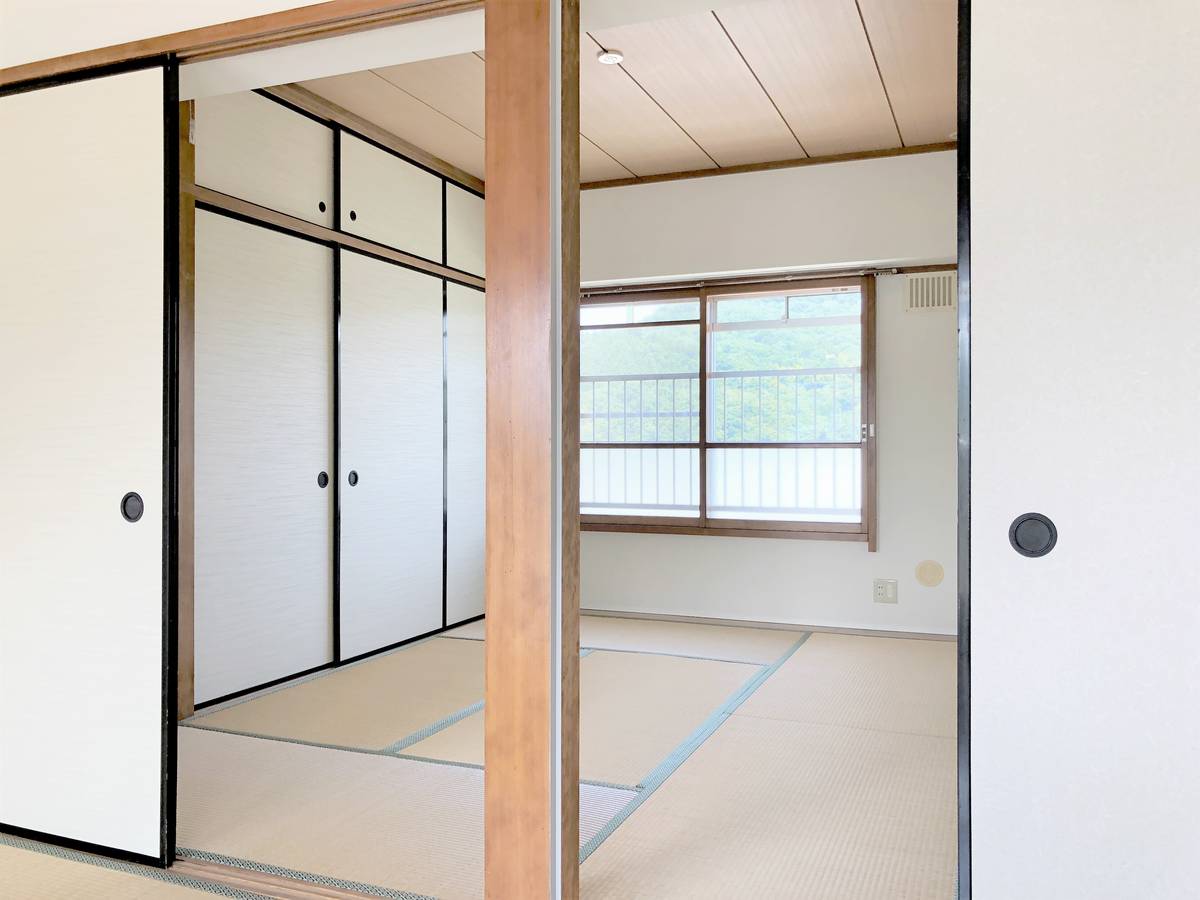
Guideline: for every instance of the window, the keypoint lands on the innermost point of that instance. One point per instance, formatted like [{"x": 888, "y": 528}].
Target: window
[{"x": 729, "y": 410}]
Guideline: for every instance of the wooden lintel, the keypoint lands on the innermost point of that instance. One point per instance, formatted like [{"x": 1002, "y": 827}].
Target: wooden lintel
[{"x": 770, "y": 166}]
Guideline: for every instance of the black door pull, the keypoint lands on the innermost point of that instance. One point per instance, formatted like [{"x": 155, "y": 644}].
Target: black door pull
[
  {"x": 1032, "y": 534},
  {"x": 132, "y": 506}
]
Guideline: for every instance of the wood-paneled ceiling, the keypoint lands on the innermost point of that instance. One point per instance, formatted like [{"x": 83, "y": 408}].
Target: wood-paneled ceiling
[{"x": 737, "y": 85}]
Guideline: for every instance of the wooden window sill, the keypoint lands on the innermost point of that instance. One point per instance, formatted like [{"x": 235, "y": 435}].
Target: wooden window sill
[{"x": 774, "y": 531}]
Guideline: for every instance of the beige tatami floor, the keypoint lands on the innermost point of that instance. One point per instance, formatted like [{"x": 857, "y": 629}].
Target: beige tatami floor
[{"x": 717, "y": 762}]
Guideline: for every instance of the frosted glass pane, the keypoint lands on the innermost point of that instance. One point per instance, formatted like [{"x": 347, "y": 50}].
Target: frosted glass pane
[
  {"x": 805, "y": 485},
  {"x": 646, "y": 482}
]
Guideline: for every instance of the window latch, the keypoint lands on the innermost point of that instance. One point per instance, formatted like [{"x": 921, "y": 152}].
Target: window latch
[{"x": 868, "y": 430}]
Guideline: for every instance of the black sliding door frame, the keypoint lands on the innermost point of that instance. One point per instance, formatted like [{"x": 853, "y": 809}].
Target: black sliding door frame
[{"x": 964, "y": 450}]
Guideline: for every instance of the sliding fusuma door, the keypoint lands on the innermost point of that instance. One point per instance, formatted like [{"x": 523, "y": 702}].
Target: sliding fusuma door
[
  {"x": 88, "y": 177},
  {"x": 264, "y": 455},
  {"x": 390, "y": 456}
]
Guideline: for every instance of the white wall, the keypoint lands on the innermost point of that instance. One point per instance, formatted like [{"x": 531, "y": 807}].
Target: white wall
[
  {"x": 39, "y": 29},
  {"x": 901, "y": 210},
  {"x": 825, "y": 582},
  {"x": 889, "y": 211},
  {"x": 1085, "y": 324}
]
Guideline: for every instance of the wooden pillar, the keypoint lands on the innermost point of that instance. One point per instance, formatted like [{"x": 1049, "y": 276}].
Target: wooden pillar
[{"x": 532, "y": 547}]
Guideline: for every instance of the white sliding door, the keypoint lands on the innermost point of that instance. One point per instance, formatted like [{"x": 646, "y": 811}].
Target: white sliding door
[
  {"x": 391, "y": 454},
  {"x": 389, "y": 200},
  {"x": 254, "y": 148},
  {"x": 1085, "y": 674},
  {"x": 84, "y": 752},
  {"x": 464, "y": 230},
  {"x": 465, "y": 442},
  {"x": 264, "y": 419}
]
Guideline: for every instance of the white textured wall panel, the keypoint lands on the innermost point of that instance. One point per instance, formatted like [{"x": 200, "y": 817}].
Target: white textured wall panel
[
  {"x": 391, "y": 435},
  {"x": 465, "y": 452},
  {"x": 392, "y": 201},
  {"x": 896, "y": 210},
  {"x": 256, "y": 149},
  {"x": 464, "y": 230},
  {"x": 81, "y": 411},
  {"x": 264, "y": 407}
]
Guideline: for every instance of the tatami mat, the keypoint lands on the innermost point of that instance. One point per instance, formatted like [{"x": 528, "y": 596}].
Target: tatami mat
[
  {"x": 371, "y": 704},
  {"x": 395, "y": 823},
  {"x": 755, "y": 645},
  {"x": 635, "y": 709},
  {"x": 776, "y": 809},
  {"x": 866, "y": 682},
  {"x": 34, "y": 875}
]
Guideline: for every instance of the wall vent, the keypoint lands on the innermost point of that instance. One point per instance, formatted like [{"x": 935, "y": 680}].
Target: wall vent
[{"x": 931, "y": 290}]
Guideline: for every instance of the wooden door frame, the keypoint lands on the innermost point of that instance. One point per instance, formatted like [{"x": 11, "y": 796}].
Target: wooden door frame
[
  {"x": 345, "y": 16},
  {"x": 289, "y": 26},
  {"x": 514, "y": 859}
]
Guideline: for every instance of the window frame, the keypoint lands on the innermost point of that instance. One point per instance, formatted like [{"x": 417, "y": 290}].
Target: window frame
[{"x": 866, "y": 530}]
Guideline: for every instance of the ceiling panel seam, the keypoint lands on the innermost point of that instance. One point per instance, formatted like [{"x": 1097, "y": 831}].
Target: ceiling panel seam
[
  {"x": 762, "y": 87},
  {"x": 444, "y": 115},
  {"x": 609, "y": 155},
  {"x": 654, "y": 100},
  {"x": 879, "y": 71}
]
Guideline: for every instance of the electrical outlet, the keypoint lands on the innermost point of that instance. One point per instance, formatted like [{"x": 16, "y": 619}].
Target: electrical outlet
[{"x": 887, "y": 590}]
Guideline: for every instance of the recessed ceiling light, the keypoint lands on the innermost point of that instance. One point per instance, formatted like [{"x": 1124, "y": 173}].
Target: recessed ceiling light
[{"x": 610, "y": 57}]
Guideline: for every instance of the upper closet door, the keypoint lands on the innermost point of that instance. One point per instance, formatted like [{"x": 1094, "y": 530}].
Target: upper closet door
[
  {"x": 264, "y": 435},
  {"x": 465, "y": 444},
  {"x": 390, "y": 454},
  {"x": 251, "y": 147},
  {"x": 86, "y": 580},
  {"x": 390, "y": 201},
  {"x": 464, "y": 230}
]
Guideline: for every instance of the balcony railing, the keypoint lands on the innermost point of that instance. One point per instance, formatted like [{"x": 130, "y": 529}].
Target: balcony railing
[{"x": 783, "y": 406}]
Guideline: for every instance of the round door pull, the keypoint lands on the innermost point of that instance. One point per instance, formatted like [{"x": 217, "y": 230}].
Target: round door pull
[
  {"x": 132, "y": 506},
  {"x": 321, "y": 206},
  {"x": 1032, "y": 534},
  {"x": 322, "y": 479},
  {"x": 352, "y": 478},
  {"x": 353, "y": 216}
]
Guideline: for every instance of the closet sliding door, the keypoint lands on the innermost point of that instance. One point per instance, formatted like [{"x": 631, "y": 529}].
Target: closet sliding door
[
  {"x": 390, "y": 456},
  {"x": 465, "y": 444},
  {"x": 264, "y": 455}
]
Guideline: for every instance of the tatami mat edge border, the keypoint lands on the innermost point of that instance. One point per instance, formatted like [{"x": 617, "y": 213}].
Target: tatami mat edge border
[
  {"x": 296, "y": 875},
  {"x": 116, "y": 865},
  {"x": 680, "y": 754}
]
